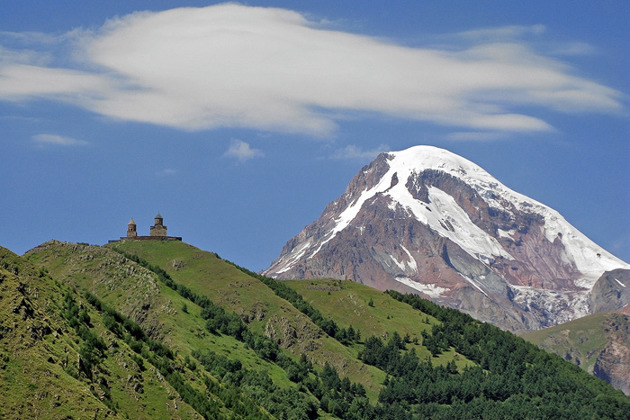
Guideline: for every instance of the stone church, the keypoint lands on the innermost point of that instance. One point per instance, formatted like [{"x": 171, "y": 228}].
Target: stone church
[{"x": 156, "y": 232}]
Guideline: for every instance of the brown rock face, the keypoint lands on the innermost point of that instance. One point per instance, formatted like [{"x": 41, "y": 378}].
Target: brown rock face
[
  {"x": 613, "y": 362},
  {"x": 430, "y": 222}
]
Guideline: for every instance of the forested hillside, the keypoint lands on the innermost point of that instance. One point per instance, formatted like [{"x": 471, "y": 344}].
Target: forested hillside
[{"x": 165, "y": 330}]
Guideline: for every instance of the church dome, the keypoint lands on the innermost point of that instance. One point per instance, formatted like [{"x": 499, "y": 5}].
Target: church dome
[{"x": 132, "y": 222}]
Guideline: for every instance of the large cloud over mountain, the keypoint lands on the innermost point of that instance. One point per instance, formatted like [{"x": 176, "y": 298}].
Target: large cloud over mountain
[{"x": 273, "y": 69}]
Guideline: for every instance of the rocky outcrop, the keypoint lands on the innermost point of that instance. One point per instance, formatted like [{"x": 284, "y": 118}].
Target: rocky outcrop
[
  {"x": 427, "y": 221},
  {"x": 613, "y": 362}
]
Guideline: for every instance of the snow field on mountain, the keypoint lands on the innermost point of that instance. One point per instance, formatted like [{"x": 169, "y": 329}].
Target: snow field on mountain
[
  {"x": 432, "y": 290},
  {"x": 590, "y": 259},
  {"x": 288, "y": 261},
  {"x": 442, "y": 208}
]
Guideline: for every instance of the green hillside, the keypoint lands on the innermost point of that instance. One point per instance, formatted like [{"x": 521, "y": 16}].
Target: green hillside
[
  {"x": 598, "y": 343},
  {"x": 374, "y": 314},
  {"x": 265, "y": 313},
  {"x": 52, "y": 369},
  {"x": 161, "y": 329},
  {"x": 262, "y": 339},
  {"x": 137, "y": 293},
  {"x": 581, "y": 339}
]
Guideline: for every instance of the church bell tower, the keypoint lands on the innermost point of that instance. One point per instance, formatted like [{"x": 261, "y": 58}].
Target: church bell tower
[
  {"x": 132, "y": 231},
  {"x": 158, "y": 229}
]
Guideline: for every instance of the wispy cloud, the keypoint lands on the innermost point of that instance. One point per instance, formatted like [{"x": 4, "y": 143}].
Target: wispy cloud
[
  {"x": 352, "y": 152},
  {"x": 477, "y": 136},
  {"x": 574, "y": 48},
  {"x": 272, "y": 69},
  {"x": 242, "y": 151},
  {"x": 503, "y": 32},
  {"x": 57, "y": 140}
]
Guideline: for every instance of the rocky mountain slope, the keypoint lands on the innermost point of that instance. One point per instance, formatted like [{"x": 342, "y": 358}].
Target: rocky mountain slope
[{"x": 427, "y": 221}]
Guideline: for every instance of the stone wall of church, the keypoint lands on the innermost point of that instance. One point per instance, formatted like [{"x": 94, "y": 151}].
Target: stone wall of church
[{"x": 158, "y": 230}]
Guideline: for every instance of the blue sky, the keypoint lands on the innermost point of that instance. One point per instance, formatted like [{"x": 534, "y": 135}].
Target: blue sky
[{"x": 240, "y": 122}]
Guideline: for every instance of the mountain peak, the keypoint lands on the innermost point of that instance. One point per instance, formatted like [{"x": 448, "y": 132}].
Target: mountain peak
[
  {"x": 428, "y": 220},
  {"x": 430, "y": 157}
]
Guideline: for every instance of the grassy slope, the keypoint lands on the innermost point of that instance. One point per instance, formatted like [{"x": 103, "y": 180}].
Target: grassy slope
[
  {"x": 583, "y": 338},
  {"x": 39, "y": 369},
  {"x": 28, "y": 385},
  {"x": 128, "y": 287},
  {"x": 205, "y": 273},
  {"x": 348, "y": 303}
]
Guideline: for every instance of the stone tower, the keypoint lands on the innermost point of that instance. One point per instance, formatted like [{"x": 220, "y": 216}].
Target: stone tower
[
  {"x": 158, "y": 229},
  {"x": 132, "y": 229}
]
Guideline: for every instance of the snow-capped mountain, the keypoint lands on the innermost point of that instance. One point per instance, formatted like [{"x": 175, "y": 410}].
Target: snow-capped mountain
[{"x": 428, "y": 221}]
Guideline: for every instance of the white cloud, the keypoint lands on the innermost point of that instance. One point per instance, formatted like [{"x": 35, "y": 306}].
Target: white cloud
[
  {"x": 57, "y": 140},
  {"x": 504, "y": 32},
  {"x": 355, "y": 152},
  {"x": 26, "y": 81},
  {"x": 272, "y": 69},
  {"x": 242, "y": 151},
  {"x": 477, "y": 136}
]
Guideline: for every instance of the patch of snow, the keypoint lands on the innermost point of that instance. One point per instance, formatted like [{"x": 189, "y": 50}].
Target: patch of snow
[
  {"x": 432, "y": 290},
  {"x": 565, "y": 306},
  {"x": 292, "y": 258},
  {"x": 352, "y": 210},
  {"x": 445, "y": 216},
  {"x": 506, "y": 234},
  {"x": 620, "y": 283},
  {"x": 400, "y": 265},
  {"x": 406, "y": 266},
  {"x": 474, "y": 283},
  {"x": 412, "y": 261}
]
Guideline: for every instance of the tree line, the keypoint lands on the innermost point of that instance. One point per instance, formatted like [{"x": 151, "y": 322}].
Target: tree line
[
  {"x": 332, "y": 394},
  {"x": 345, "y": 336}
]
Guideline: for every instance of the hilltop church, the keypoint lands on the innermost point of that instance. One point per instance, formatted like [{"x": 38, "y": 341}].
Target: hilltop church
[{"x": 157, "y": 232}]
